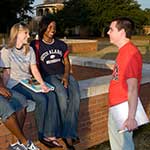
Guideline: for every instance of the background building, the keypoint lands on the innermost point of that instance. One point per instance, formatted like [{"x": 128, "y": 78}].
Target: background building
[
  {"x": 49, "y": 6},
  {"x": 147, "y": 30}
]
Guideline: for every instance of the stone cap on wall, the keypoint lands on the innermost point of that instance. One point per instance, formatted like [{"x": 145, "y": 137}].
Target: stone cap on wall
[{"x": 99, "y": 85}]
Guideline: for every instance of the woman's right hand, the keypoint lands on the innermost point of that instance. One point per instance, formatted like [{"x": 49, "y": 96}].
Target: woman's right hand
[
  {"x": 45, "y": 88},
  {"x": 5, "y": 92}
]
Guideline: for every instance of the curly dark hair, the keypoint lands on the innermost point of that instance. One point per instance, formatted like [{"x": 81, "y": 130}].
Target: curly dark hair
[{"x": 44, "y": 22}]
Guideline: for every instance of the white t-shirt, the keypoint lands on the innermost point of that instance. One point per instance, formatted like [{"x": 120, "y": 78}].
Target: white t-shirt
[{"x": 19, "y": 63}]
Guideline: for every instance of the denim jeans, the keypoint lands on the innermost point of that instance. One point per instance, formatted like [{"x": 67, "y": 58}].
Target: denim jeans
[
  {"x": 46, "y": 111},
  {"x": 119, "y": 141},
  {"x": 69, "y": 102},
  {"x": 14, "y": 104}
]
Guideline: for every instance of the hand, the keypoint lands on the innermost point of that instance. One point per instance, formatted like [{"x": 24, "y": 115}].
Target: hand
[
  {"x": 45, "y": 88},
  {"x": 65, "y": 81},
  {"x": 4, "y": 92},
  {"x": 130, "y": 124}
]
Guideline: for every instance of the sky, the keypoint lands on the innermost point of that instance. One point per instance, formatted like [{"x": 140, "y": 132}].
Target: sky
[
  {"x": 37, "y": 2},
  {"x": 144, "y": 3}
]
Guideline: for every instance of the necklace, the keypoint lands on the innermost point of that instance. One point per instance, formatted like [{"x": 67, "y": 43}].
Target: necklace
[
  {"x": 19, "y": 48},
  {"x": 49, "y": 43}
]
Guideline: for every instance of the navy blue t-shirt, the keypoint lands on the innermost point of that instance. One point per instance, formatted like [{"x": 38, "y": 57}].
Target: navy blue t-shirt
[{"x": 51, "y": 56}]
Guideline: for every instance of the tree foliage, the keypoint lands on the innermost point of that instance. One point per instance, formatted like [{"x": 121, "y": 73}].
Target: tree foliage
[
  {"x": 12, "y": 11},
  {"x": 147, "y": 15},
  {"x": 103, "y": 11},
  {"x": 97, "y": 14},
  {"x": 74, "y": 13}
]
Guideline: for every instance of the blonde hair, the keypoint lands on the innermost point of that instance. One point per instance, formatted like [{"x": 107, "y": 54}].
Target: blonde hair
[{"x": 13, "y": 36}]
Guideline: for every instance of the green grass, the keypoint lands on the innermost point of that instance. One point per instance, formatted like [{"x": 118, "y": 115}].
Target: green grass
[
  {"x": 109, "y": 51},
  {"x": 141, "y": 139}
]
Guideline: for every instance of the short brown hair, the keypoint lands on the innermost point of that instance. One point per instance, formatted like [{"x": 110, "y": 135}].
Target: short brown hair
[{"x": 125, "y": 23}]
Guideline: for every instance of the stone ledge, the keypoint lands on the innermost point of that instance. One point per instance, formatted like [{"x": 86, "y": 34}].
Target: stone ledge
[
  {"x": 99, "y": 85},
  {"x": 92, "y": 62},
  {"x": 94, "y": 86}
]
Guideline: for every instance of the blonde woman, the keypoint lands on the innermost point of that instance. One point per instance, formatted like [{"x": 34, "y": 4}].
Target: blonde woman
[{"x": 19, "y": 62}]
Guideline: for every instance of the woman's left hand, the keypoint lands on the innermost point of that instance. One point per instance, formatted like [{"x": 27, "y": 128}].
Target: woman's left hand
[{"x": 65, "y": 81}]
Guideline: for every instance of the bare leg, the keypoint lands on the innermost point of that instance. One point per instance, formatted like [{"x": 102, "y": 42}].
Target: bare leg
[
  {"x": 12, "y": 124},
  {"x": 21, "y": 116}
]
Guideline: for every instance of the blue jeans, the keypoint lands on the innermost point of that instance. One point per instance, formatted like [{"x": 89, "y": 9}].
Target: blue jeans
[
  {"x": 46, "y": 111},
  {"x": 69, "y": 102},
  {"x": 119, "y": 141},
  {"x": 14, "y": 104}
]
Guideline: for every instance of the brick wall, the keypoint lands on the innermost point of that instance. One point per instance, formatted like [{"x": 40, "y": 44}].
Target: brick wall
[
  {"x": 145, "y": 97},
  {"x": 83, "y": 46},
  {"x": 92, "y": 126}
]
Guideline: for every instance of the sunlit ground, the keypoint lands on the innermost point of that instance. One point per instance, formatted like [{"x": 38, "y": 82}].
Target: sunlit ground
[{"x": 109, "y": 51}]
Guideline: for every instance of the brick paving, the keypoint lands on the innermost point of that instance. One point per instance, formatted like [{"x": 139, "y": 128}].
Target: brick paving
[{"x": 83, "y": 73}]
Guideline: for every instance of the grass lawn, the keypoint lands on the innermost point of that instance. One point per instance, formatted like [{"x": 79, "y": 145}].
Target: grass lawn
[
  {"x": 141, "y": 139},
  {"x": 109, "y": 51}
]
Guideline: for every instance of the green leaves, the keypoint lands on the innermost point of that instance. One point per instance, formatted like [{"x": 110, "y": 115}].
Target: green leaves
[
  {"x": 12, "y": 11},
  {"x": 97, "y": 14}
]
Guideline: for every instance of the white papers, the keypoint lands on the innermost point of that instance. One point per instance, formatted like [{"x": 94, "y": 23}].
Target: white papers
[
  {"x": 120, "y": 114},
  {"x": 35, "y": 86}
]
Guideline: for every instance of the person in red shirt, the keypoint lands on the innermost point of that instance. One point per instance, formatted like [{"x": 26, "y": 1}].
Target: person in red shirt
[{"x": 125, "y": 82}]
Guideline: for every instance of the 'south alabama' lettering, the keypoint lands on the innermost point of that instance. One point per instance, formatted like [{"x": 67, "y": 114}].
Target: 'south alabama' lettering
[
  {"x": 50, "y": 52},
  {"x": 55, "y": 51}
]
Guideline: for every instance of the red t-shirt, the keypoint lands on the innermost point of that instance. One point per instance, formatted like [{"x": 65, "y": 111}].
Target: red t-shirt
[{"x": 128, "y": 65}]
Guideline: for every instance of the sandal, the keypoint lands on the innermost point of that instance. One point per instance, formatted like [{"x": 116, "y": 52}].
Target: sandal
[
  {"x": 50, "y": 143},
  {"x": 56, "y": 143}
]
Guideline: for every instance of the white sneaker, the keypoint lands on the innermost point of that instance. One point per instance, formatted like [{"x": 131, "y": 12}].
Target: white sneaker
[
  {"x": 17, "y": 146},
  {"x": 32, "y": 146}
]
